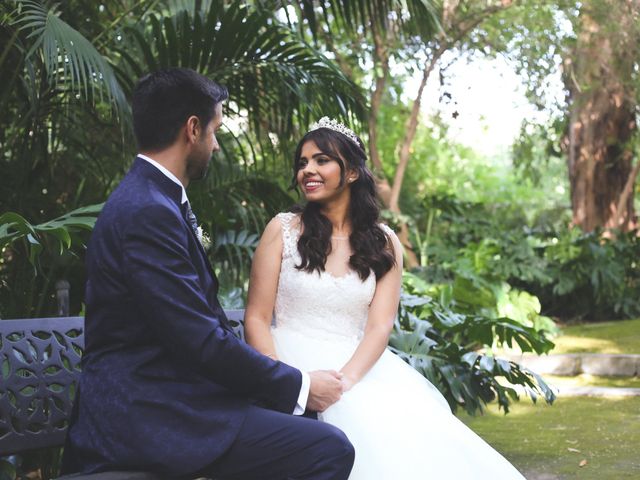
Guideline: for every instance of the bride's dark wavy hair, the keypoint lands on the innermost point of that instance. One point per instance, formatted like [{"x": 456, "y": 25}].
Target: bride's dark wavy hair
[{"x": 372, "y": 247}]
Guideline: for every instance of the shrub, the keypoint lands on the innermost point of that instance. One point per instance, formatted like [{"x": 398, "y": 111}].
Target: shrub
[
  {"x": 594, "y": 277},
  {"x": 442, "y": 343}
]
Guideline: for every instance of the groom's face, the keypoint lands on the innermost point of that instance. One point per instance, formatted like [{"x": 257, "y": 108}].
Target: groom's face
[{"x": 205, "y": 146}]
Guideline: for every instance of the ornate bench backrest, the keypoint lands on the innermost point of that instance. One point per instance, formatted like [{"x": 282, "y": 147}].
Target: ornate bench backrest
[
  {"x": 40, "y": 363},
  {"x": 39, "y": 368}
]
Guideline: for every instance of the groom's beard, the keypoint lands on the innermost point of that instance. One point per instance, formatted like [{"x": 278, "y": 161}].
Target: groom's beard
[{"x": 197, "y": 168}]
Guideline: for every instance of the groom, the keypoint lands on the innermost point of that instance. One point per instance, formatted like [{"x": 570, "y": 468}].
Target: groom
[{"x": 166, "y": 387}]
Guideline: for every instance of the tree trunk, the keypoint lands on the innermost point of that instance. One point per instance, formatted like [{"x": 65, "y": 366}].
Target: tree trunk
[
  {"x": 405, "y": 151},
  {"x": 602, "y": 113},
  {"x": 622, "y": 209},
  {"x": 460, "y": 28},
  {"x": 385, "y": 190},
  {"x": 381, "y": 71}
]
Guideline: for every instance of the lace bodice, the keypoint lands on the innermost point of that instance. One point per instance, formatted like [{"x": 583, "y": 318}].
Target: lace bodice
[{"x": 322, "y": 305}]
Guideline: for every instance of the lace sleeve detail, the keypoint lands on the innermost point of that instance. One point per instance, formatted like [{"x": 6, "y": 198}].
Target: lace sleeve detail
[{"x": 289, "y": 236}]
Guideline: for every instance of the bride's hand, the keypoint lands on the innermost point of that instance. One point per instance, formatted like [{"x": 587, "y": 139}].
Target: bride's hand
[{"x": 347, "y": 383}]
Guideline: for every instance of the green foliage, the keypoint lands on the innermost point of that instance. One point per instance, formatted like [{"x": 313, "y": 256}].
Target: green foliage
[
  {"x": 497, "y": 261},
  {"x": 60, "y": 232},
  {"x": 70, "y": 61},
  {"x": 7, "y": 470},
  {"x": 270, "y": 72},
  {"x": 537, "y": 146},
  {"x": 531, "y": 35},
  {"x": 594, "y": 277},
  {"x": 420, "y": 16},
  {"x": 232, "y": 252},
  {"x": 34, "y": 256},
  {"x": 442, "y": 343},
  {"x": 484, "y": 255},
  {"x": 233, "y": 205},
  {"x": 67, "y": 68}
]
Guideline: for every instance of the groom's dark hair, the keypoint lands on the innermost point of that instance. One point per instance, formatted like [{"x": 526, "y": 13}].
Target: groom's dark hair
[{"x": 164, "y": 100}]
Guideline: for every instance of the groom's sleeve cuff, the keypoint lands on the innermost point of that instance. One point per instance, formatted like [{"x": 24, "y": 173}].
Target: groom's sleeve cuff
[{"x": 301, "y": 405}]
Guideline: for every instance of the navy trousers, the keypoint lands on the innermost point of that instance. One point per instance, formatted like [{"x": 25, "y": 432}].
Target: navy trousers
[{"x": 276, "y": 446}]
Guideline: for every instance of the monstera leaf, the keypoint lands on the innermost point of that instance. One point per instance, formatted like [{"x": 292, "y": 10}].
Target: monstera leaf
[{"x": 444, "y": 345}]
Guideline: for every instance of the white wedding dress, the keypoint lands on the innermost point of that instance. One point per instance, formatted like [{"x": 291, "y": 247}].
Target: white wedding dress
[{"x": 399, "y": 423}]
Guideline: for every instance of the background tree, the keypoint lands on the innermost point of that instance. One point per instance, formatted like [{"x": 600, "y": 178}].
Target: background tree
[
  {"x": 600, "y": 75},
  {"x": 594, "y": 44}
]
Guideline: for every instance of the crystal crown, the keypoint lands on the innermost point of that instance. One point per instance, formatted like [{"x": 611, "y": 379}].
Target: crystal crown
[{"x": 331, "y": 124}]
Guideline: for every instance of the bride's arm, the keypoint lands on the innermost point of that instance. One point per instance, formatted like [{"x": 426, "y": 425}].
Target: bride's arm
[
  {"x": 263, "y": 285},
  {"x": 382, "y": 312}
]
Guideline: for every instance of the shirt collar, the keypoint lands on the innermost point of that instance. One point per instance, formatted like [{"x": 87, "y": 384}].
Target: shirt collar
[{"x": 168, "y": 174}]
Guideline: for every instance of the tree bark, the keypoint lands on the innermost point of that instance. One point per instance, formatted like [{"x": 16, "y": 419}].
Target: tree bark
[
  {"x": 602, "y": 113},
  {"x": 623, "y": 202}
]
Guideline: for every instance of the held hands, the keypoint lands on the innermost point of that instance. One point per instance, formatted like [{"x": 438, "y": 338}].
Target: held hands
[
  {"x": 325, "y": 389},
  {"x": 347, "y": 382}
]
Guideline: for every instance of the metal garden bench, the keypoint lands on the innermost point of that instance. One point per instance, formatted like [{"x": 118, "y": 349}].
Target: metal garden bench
[{"x": 39, "y": 370}]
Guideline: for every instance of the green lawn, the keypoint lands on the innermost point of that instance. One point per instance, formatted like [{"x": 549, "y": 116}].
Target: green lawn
[
  {"x": 602, "y": 434},
  {"x": 550, "y": 442},
  {"x": 606, "y": 337}
]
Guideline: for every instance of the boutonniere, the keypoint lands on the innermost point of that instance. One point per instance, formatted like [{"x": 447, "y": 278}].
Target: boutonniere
[{"x": 203, "y": 238}]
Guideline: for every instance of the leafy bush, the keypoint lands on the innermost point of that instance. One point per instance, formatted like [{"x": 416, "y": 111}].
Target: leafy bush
[
  {"x": 497, "y": 259},
  {"x": 487, "y": 240},
  {"x": 34, "y": 256},
  {"x": 60, "y": 231},
  {"x": 442, "y": 343},
  {"x": 594, "y": 277}
]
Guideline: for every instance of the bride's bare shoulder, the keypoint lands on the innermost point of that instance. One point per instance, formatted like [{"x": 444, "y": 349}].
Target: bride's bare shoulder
[{"x": 273, "y": 231}]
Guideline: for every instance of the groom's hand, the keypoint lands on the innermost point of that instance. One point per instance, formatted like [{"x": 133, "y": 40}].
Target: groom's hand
[{"x": 325, "y": 389}]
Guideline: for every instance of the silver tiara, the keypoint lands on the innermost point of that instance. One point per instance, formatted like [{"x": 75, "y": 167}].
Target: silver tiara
[{"x": 331, "y": 124}]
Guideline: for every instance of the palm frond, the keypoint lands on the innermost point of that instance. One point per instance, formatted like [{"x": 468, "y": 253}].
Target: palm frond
[
  {"x": 416, "y": 16},
  {"x": 235, "y": 198},
  {"x": 69, "y": 58},
  {"x": 234, "y": 250},
  {"x": 271, "y": 74}
]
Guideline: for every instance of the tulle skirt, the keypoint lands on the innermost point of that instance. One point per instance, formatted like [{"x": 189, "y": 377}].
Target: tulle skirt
[{"x": 399, "y": 423}]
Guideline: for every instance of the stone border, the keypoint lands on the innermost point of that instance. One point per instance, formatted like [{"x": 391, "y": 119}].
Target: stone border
[
  {"x": 596, "y": 391},
  {"x": 572, "y": 364}
]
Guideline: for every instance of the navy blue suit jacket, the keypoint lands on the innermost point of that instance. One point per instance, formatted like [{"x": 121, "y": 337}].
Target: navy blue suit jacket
[{"x": 165, "y": 384}]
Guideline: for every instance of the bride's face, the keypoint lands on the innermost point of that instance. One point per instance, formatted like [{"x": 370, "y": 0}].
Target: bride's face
[{"x": 319, "y": 174}]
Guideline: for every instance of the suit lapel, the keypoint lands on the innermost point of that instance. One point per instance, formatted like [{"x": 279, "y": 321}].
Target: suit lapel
[
  {"x": 174, "y": 193},
  {"x": 203, "y": 253}
]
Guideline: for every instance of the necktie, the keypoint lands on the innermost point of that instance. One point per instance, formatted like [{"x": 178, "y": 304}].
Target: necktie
[{"x": 191, "y": 218}]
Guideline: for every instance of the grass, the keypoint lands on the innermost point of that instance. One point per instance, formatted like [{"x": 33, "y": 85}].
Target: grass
[
  {"x": 606, "y": 337},
  {"x": 551, "y": 442},
  {"x": 578, "y": 437}
]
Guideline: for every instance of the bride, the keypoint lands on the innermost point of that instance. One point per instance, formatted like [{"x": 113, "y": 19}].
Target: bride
[{"x": 332, "y": 274}]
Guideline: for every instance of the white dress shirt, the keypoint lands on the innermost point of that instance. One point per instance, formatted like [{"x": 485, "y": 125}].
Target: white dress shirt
[{"x": 306, "y": 380}]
